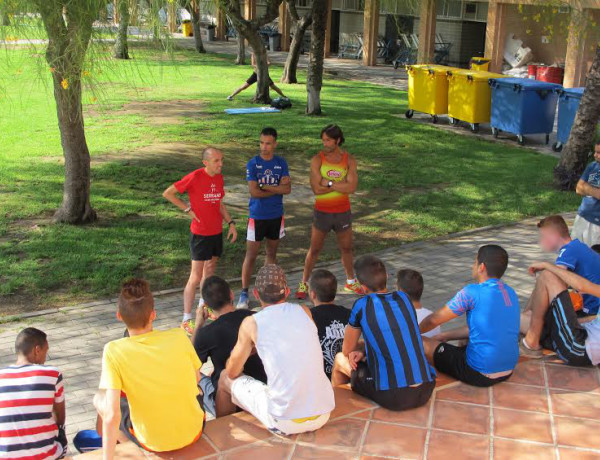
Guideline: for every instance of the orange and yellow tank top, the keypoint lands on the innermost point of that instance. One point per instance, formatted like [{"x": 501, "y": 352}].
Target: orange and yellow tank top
[{"x": 333, "y": 202}]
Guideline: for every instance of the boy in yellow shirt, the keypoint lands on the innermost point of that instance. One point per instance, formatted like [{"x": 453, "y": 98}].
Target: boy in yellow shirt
[{"x": 158, "y": 372}]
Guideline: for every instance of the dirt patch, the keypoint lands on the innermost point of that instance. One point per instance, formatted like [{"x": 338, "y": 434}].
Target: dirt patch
[{"x": 165, "y": 112}]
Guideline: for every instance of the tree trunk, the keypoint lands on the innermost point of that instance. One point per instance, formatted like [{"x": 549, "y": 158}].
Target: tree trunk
[
  {"x": 262, "y": 67},
  {"x": 76, "y": 207},
  {"x": 241, "y": 54},
  {"x": 576, "y": 153},
  {"x": 196, "y": 26},
  {"x": 5, "y": 19},
  {"x": 314, "y": 81},
  {"x": 121, "y": 50},
  {"x": 291, "y": 63}
]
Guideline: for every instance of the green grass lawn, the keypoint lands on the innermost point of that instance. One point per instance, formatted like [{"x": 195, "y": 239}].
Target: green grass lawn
[{"x": 416, "y": 181}]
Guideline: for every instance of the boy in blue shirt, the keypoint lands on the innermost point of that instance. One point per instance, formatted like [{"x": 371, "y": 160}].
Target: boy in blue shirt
[
  {"x": 586, "y": 227},
  {"x": 493, "y": 317},
  {"x": 268, "y": 179}
]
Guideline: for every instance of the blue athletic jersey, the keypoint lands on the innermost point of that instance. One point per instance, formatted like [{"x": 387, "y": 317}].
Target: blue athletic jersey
[
  {"x": 590, "y": 206},
  {"x": 583, "y": 260},
  {"x": 493, "y": 317},
  {"x": 268, "y": 173},
  {"x": 393, "y": 343}
]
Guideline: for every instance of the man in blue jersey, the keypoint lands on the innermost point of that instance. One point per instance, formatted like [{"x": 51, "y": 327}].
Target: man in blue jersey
[
  {"x": 586, "y": 227},
  {"x": 493, "y": 317},
  {"x": 268, "y": 179},
  {"x": 396, "y": 374}
]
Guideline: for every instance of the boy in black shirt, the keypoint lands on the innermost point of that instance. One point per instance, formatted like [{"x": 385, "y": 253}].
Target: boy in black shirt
[
  {"x": 331, "y": 320},
  {"x": 217, "y": 339}
]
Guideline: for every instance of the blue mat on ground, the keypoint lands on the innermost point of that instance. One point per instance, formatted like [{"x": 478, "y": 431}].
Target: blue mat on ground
[{"x": 252, "y": 110}]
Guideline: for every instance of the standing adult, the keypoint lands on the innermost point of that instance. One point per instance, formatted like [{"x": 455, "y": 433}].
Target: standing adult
[
  {"x": 333, "y": 178},
  {"x": 205, "y": 190},
  {"x": 268, "y": 180}
]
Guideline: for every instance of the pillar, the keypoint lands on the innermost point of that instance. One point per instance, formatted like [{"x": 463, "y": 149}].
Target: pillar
[
  {"x": 221, "y": 31},
  {"x": 284, "y": 26},
  {"x": 328, "y": 29},
  {"x": 172, "y": 16},
  {"x": 495, "y": 35},
  {"x": 427, "y": 14},
  {"x": 577, "y": 49},
  {"x": 250, "y": 10},
  {"x": 370, "y": 32},
  {"x": 116, "y": 12}
]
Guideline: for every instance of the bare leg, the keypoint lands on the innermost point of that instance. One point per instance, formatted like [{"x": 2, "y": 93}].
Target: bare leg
[
  {"x": 272, "y": 246},
  {"x": 345, "y": 243},
  {"x": 275, "y": 88},
  {"x": 317, "y": 239},
  {"x": 341, "y": 371},
  {"x": 189, "y": 293},
  {"x": 240, "y": 89},
  {"x": 429, "y": 346},
  {"x": 223, "y": 403},
  {"x": 252, "y": 250},
  {"x": 547, "y": 286},
  {"x": 525, "y": 322}
]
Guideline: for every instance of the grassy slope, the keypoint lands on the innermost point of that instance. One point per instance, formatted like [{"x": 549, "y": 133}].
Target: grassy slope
[{"x": 417, "y": 181}]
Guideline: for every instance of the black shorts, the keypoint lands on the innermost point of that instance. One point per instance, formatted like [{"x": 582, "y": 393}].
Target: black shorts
[
  {"x": 206, "y": 247},
  {"x": 396, "y": 399},
  {"x": 271, "y": 229},
  {"x": 563, "y": 334},
  {"x": 452, "y": 360},
  {"x": 254, "y": 78},
  {"x": 336, "y": 221}
]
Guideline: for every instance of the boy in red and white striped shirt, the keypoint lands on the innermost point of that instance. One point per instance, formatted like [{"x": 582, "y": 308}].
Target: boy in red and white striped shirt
[{"x": 32, "y": 403}]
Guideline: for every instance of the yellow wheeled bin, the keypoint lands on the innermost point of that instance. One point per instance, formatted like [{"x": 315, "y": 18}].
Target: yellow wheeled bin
[
  {"x": 470, "y": 96},
  {"x": 479, "y": 63},
  {"x": 186, "y": 28},
  {"x": 428, "y": 89}
]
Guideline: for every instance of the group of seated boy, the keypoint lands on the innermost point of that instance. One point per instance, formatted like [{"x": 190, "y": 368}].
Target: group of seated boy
[{"x": 281, "y": 363}]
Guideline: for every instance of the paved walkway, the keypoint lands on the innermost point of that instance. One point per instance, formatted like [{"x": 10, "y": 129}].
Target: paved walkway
[{"x": 77, "y": 335}]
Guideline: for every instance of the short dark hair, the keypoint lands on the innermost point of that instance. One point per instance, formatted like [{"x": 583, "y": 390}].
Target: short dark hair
[
  {"x": 495, "y": 259},
  {"x": 268, "y": 131},
  {"x": 411, "y": 282},
  {"x": 28, "y": 339},
  {"x": 596, "y": 247},
  {"x": 135, "y": 303},
  {"x": 324, "y": 284},
  {"x": 371, "y": 272},
  {"x": 334, "y": 132},
  {"x": 557, "y": 222},
  {"x": 216, "y": 292}
]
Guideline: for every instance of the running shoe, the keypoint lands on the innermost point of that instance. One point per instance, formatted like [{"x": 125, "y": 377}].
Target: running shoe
[
  {"x": 230, "y": 98},
  {"x": 526, "y": 351},
  {"x": 243, "y": 301},
  {"x": 188, "y": 326},
  {"x": 302, "y": 291},
  {"x": 355, "y": 287}
]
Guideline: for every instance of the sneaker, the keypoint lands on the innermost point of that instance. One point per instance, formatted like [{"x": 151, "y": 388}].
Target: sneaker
[
  {"x": 243, "y": 301},
  {"x": 526, "y": 351},
  {"x": 188, "y": 326},
  {"x": 355, "y": 287},
  {"x": 302, "y": 291},
  {"x": 230, "y": 98}
]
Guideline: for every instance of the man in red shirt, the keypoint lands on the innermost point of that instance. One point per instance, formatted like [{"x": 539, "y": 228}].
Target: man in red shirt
[{"x": 204, "y": 188}]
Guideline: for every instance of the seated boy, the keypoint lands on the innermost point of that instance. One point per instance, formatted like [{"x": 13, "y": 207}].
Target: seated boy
[
  {"x": 32, "y": 402},
  {"x": 411, "y": 283},
  {"x": 331, "y": 319},
  {"x": 217, "y": 339},
  {"x": 158, "y": 371},
  {"x": 493, "y": 314},
  {"x": 396, "y": 374}
]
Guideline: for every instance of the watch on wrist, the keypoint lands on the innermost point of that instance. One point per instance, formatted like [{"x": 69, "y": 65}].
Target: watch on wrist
[
  {"x": 261, "y": 186},
  {"x": 231, "y": 222},
  {"x": 330, "y": 184}
]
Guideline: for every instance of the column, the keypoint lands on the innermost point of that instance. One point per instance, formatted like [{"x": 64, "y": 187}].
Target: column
[
  {"x": 495, "y": 35},
  {"x": 221, "y": 25},
  {"x": 427, "y": 16},
  {"x": 116, "y": 12},
  {"x": 577, "y": 49},
  {"x": 370, "y": 32},
  {"x": 172, "y": 17},
  {"x": 284, "y": 26},
  {"x": 328, "y": 29},
  {"x": 250, "y": 10}
]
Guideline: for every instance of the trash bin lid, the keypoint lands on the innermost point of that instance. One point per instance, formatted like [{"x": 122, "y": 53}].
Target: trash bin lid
[
  {"x": 525, "y": 84},
  {"x": 476, "y": 75},
  {"x": 574, "y": 93},
  {"x": 433, "y": 68}
]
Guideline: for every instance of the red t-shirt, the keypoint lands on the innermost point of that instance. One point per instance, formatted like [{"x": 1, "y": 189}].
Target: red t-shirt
[{"x": 205, "y": 194}]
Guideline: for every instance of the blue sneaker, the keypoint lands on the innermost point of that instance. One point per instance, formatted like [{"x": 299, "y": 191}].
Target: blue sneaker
[{"x": 243, "y": 301}]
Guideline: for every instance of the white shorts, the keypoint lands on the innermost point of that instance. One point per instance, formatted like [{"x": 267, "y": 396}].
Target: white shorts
[
  {"x": 253, "y": 396},
  {"x": 585, "y": 231}
]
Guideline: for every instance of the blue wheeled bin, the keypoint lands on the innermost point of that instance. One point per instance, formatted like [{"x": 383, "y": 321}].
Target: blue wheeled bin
[
  {"x": 568, "y": 103},
  {"x": 521, "y": 106}
]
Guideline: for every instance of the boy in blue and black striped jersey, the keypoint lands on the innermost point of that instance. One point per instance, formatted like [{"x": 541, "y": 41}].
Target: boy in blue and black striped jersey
[{"x": 396, "y": 374}]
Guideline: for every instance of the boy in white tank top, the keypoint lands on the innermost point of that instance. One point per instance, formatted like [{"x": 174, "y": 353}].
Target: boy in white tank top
[{"x": 298, "y": 397}]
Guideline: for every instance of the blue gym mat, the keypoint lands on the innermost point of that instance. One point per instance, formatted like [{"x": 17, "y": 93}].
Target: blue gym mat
[{"x": 252, "y": 110}]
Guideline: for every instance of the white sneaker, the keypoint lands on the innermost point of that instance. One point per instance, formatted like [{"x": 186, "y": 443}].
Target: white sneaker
[{"x": 230, "y": 98}]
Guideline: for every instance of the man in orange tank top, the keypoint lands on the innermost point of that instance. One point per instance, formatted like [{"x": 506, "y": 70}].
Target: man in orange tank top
[{"x": 333, "y": 178}]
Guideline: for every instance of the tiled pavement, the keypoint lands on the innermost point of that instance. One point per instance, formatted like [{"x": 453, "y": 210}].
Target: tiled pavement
[{"x": 77, "y": 336}]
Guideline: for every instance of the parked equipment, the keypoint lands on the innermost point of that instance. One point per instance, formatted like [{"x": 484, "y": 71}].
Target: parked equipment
[
  {"x": 568, "y": 103},
  {"x": 469, "y": 97},
  {"x": 428, "y": 90},
  {"x": 521, "y": 106}
]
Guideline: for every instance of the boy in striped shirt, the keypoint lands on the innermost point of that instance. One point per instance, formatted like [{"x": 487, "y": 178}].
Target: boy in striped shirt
[{"x": 32, "y": 403}]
